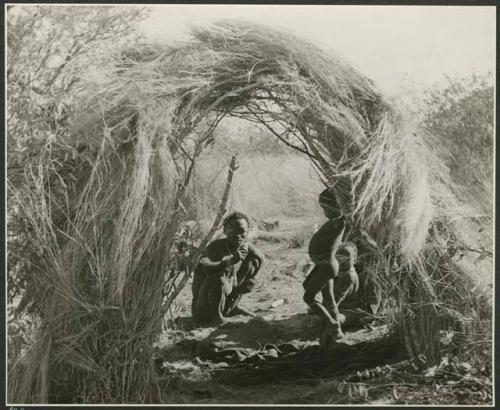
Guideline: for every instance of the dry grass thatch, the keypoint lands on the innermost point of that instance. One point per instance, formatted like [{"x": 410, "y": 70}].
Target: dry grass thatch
[{"x": 102, "y": 201}]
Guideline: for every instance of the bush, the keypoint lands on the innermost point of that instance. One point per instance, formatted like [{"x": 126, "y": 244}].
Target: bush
[{"x": 460, "y": 115}]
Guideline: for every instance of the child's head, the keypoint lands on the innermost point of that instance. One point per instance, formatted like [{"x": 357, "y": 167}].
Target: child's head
[
  {"x": 329, "y": 204},
  {"x": 235, "y": 227}
]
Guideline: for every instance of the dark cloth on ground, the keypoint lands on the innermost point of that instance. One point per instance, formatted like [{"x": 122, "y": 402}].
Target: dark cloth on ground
[{"x": 207, "y": 351}]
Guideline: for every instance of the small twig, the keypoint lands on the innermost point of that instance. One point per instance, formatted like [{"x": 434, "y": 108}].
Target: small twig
[
  {"x": 378, "y": 386},
  {"x": 280, "y": 137},
  {"x": 197, "y": 152},
  {"x": 482, "y": 252},
  {"x": 232, "y": 93}
]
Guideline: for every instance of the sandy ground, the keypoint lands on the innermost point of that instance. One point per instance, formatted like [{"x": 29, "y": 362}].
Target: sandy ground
[{"x": 281, "y": 318}]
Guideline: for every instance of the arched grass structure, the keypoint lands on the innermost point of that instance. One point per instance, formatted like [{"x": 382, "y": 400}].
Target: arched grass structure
[{"x": 103, "y": 200}]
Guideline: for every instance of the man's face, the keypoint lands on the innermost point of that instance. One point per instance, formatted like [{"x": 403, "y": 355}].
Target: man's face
[{"x": 236, "y": 231}]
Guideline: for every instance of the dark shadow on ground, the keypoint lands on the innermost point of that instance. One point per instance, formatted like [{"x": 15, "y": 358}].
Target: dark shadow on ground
[
  {"x": 240, "y": 332},
  {"x": 254, "y": 340},
  {"x": 258, "y": 331},
  {"x": 185, "y": 323},
  {"x": 256, "y": 351},
  {"x": 314, "y": 361}
]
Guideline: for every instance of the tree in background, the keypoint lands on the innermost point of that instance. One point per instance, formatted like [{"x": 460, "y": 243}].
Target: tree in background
[
  {"x": 49, "y": 48},
  {"x": 460, "y": 114},
  {"x": 272, "y": 179}
]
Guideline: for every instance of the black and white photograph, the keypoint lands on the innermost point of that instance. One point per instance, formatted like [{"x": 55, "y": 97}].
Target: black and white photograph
[{"x": 248, "y": 205}]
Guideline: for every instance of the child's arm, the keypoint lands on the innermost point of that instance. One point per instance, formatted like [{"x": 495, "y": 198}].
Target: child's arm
[
  {"x": 335, "y": 306},
  {"x": 353, "y": 279},
  {"x": 335, "y": 270},
  {"x": 335, "y": 246}
]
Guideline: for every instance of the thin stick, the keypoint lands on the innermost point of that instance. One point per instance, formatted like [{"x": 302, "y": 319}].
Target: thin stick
[
  {"x": 280, "y": 137},
  {"x": 222, "y": 206},
  {"x": 208, "y": 236}
]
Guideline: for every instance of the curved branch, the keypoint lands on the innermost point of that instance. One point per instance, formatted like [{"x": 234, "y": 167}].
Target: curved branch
[
  {"x": 280, "y": 137},
  {"x": 227, "y": 95}
]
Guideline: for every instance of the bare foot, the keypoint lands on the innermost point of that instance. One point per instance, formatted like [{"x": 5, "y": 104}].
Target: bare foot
[
  {"x": 238, "y": 310},
  {"x": 338, "y": 334},
  {"x": 334, "y": 332},
  {"x": 219, "y": 321},
  {"x": 311, "y": 311}
]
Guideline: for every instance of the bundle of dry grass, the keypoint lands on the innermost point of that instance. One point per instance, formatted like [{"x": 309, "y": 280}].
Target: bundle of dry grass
[{"x": 102, "y": 202}]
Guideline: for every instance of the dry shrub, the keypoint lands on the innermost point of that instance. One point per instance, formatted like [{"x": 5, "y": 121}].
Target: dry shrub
[
  {"x": 102, "y": 220},
  {"x": 99, "y": 258}
]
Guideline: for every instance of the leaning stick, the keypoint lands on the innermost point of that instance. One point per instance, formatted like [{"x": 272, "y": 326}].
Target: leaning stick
[
  {"x": 222, "y": 207},
  {"x": 208, "y": 236}
]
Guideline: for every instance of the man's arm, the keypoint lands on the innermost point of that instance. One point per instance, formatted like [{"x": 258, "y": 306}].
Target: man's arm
[
  {"x": 256, "y": 252},
  {"x": 215, "y": 266},
  {"x": 213, "y": 259},
  {"x": 249, "y": 282}
]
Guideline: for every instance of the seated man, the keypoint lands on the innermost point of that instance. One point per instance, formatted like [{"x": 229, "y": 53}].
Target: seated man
[{"x": 225, "y": 272}]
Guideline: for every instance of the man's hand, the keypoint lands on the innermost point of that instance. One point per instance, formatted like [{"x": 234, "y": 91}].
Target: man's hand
[
  {"x": 243, "y": 252},
  {"x": 240, "y": 255},
  {"x": 227, "y": 261}
]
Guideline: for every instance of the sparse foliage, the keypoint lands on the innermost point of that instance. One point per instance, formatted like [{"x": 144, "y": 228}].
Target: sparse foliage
[
  {"x": 461, "y": 115},
  {"x": 49, "y": 49}
]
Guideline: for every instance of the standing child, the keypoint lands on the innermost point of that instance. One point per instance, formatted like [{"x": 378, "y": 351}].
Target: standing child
[
  {"x": 225, "y": 272},
  {"x": 323, "y": 249}
]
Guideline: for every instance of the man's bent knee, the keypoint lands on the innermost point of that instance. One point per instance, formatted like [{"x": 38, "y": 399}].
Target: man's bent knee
[{"x": 309, "y": 298}]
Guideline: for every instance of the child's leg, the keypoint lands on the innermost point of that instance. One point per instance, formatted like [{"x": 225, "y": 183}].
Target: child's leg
[
  {"x": 314, "y": 283},
  {"x": 343, "y": 288},
  {"x": 328, "y": 294},
  {"x": 330, "y": 302}
]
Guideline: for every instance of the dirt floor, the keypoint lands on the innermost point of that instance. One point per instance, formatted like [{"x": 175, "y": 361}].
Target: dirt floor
[{"x": 282, "y": 321}]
